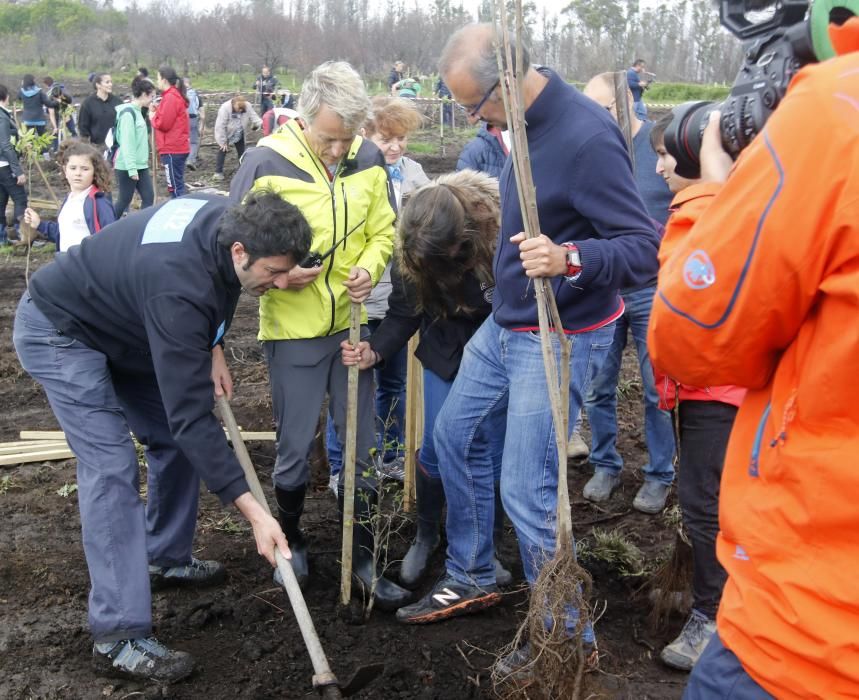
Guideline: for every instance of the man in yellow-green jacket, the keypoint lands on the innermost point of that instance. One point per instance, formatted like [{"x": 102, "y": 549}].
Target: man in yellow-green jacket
[{"x": 340, "y": 183}]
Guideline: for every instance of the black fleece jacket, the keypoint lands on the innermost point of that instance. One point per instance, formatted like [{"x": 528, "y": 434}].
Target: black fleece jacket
[
  {"x": 442, "y": 339},
  {"x": 154, "y": 292}
]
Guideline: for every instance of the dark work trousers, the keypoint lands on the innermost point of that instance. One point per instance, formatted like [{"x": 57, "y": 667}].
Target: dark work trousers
[
  {"x": 127, "y": 187},
  {"x": 222, "y": 155},
  {"x": 96, "y": 408},
  {"x": 301, "y": 373},
  {"x": 705, "y": 427},
  {"x": 719, "y": 675},
  {"x": 9, "y": 187}
]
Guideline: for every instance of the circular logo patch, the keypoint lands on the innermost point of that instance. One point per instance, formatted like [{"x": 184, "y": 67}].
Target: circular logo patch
[{"x": 698, "y": 271}]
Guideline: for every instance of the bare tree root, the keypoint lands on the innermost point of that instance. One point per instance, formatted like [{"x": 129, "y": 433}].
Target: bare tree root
[
  {"x": 558, "y": 660},
  {"x": 669, "y": 586}
]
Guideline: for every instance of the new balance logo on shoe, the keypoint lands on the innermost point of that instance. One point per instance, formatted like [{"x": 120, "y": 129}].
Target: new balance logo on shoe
[{"x": 446, "y": 597}]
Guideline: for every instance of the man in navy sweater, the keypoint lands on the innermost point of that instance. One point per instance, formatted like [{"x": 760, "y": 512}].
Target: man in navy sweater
[
  {"x": 123, "y": 333},
  {"x": 597, "y": 238}
]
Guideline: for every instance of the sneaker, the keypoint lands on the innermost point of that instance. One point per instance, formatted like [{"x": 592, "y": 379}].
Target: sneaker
[
  {"x": 503, "y": 577},
  {"x": 333, "y": 482},
  {"x": 198, "y": 573},
  {"x": 600, "y": 486},
  {"x": 144, "y": 659},
  {"x": 577, "y": 448},
  {"x": 651, "y": 497},
  {"x": 449, "y": 598},
  {"x": 685, "y": 651},
  {"x": 393, "y": 469},
  {"x": 516, "y": 667},
  {"x": 218, "y": 177},
  {"x": 190, "y": 166}
]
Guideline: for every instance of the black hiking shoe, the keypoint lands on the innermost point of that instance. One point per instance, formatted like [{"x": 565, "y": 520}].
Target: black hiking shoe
[
  {"x": 143, "y": 659},
  {"x": 198, "y": 573},
  {"x": 449, "y": 598}
]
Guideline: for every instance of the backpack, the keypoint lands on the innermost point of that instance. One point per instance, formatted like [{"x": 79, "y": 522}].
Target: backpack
[{"x": 110, "y": 141}]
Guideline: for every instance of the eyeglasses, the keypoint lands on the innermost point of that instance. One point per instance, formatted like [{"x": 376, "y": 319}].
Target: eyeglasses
[{"x": 476, "y": 109}]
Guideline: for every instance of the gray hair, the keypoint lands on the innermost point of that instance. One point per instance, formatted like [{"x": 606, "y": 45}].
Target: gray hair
[
  {"x": 337, "y": 85},
  {"x": 482, "y": 64}
]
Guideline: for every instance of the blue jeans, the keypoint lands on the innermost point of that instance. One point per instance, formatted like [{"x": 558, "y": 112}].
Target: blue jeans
[
  {"x": 174, "y": 171},
  {"x": 436, "y": 391},
  {"x": 502, "y": 378},
  {"x": 719, "y": 675},
  {"x": 390, "y": 409},
  {"x": 640, "y": 110},
  {"x": 96, "y": 407},
  {"x": 601, "y": 398}
]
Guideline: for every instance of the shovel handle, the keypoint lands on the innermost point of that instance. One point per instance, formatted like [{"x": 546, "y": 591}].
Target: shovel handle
[{"x": 322, "y": 674}]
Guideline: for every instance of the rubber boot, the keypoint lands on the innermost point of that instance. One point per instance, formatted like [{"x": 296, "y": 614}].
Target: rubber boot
[
  {"x": 290, "y": 506},
  {"x": 388, "y": 595},
  {"x": 430, "y": 504},
  {"x": 502, "y": 576}
]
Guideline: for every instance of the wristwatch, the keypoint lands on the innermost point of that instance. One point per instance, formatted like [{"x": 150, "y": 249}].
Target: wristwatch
[{"x": 574, "y": 261}]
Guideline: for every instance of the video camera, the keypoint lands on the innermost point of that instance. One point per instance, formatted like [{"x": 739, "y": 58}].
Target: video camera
[{"x": 780, "y": 37}]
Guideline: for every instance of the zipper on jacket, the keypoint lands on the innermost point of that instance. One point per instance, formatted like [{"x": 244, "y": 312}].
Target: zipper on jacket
[
  {"x": 756, "y": 445},
  {"x": 333, "y": 255}
]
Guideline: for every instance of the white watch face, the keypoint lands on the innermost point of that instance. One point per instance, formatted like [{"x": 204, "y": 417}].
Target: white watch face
[{"x": 573, "y": 258}]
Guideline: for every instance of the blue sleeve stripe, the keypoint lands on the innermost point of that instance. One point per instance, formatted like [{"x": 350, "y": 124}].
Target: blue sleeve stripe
[
  {"x": 169, "y": 223},
  {"x": 749, "y": 257},
  {"x": 220, "y": 333}
]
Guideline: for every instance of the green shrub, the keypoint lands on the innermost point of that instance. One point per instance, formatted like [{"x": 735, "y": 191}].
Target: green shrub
[{"x": 684, "y": 92}]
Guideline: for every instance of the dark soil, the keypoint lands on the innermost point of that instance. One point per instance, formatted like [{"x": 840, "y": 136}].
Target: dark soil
[{"x": 243, "y": 634}]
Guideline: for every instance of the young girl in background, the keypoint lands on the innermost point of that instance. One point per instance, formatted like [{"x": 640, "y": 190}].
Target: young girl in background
[{"x": 87, "y": 208}]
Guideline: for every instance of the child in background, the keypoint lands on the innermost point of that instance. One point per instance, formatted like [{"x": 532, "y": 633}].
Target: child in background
[
  {"x": 87, "y": 208},
  {"x": 706, "y": 418}
]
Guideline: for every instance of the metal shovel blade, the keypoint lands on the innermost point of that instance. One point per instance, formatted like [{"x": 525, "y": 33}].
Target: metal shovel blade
[{"x": 362, "y": 677}]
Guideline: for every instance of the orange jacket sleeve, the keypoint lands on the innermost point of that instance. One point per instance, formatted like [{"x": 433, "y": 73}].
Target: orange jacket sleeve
[{"x": 741, "y": 264}]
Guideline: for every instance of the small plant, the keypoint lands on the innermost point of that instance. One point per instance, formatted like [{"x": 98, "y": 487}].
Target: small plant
[
  {"x": 615, "y": 550},
  {"x": 386, "y": 519},
  {"x": 229, "y": 525},
  {"x": 67, "y": 489},
  {"x": 6, "y": 483},
  {"x": 673, "y": 517}
]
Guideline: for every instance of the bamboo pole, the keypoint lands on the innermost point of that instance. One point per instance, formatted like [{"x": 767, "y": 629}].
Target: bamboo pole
[
  {"x": 349, "y": 461},
  {"x": 621, "y": 105},
  {"x": 557, "y": 381}
]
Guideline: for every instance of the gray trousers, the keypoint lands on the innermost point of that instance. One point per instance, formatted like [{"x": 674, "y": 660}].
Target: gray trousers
[
  {"x": 301, "y": 373},
  {"x": 96, "y": 407}
]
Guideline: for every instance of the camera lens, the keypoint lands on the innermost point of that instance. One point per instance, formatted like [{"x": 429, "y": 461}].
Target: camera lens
[{"x": 683, "y": 136}]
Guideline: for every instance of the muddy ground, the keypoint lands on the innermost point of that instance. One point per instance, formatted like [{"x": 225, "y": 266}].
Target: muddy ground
[{"x": 242, "y": 633}]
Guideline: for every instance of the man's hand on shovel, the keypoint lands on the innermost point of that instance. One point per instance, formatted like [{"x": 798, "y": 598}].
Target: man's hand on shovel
[{"x": 267, "y": 532}]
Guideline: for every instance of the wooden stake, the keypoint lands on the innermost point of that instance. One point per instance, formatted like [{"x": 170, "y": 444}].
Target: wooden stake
[
  {"x": 48, "y": 455},
  {"x": 414, "y": 409},
  {"x": 349, "y": 461}
]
